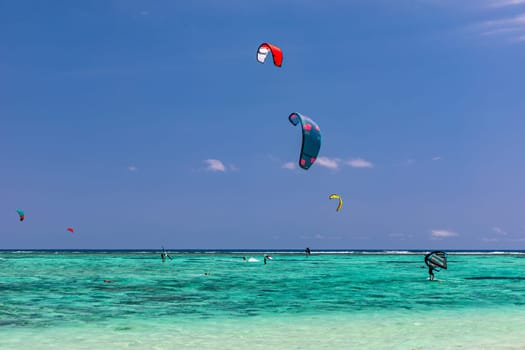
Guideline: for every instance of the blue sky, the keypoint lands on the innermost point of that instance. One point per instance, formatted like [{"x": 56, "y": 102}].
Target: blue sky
[{"x": 143, "y": 124}]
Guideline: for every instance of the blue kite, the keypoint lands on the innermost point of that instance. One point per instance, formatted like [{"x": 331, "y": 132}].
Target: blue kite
[{"x": 311, "y": 139}]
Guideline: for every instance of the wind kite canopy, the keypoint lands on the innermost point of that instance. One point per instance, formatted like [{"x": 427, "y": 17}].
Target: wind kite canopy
[
  {"x": 311, "y": 139},
  {"x": 336, "y": 196},
  {"x": 70, "y": 229},
  {"x": 20, "y": 214},
  {"x": 263, "y": 51},
  {"x": 436, "y": 259}
]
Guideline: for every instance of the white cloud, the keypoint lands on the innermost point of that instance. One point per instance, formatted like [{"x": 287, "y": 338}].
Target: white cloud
[
  {"x": 288, "y": 165},
  {"x": 505, "y": 3},
  {"x": 500, "y": 31},
  {"x": 360, "y": 163},
  {"x": 215, "y": 165},
  {"x": 509, "y": 28},
  {"x": 443, "y": 233},
  {"x": 132, "y": 168},
  {"x": 436, "y": 158},
  {"x": 499, "y": 231},
  {"x": 507, "y": 23},
  {"x": 331, "y": 163},
  {"x": 478, "y": 4},
  {"x": 489, "y": 239},
  {"x": 320, "y": 236}
]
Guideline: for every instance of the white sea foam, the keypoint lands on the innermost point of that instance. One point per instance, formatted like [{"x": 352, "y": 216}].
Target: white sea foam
[{"x": 487, "y": 253}]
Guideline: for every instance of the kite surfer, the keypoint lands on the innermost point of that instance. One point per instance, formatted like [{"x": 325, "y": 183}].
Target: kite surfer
[
  {"x": 430, "y": 272},
  {"x": 266, "y": 258},
  {"x": 164, "y": 255},
  {"x": 307, "y": 251},
  {"x": 435, "y": 260}
]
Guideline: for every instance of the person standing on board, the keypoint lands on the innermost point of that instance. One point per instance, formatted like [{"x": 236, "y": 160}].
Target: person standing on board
[{"x": 430, "y": 272}]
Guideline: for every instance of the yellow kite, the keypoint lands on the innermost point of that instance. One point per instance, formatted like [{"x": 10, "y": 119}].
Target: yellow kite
[{"x": 336, "y": 196}]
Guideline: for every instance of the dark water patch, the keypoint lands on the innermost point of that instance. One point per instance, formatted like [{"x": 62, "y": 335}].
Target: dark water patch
[
  {"x": 377, "y": 296},
  {"x": 210, "y": 288},
  {"x": 496, "y": 278},
  {"x": 130, "y": 302},
  {"x": 14, "y": 322},
  {"x": 121, "y": 289},
  {"x": 173, "y": 298}
]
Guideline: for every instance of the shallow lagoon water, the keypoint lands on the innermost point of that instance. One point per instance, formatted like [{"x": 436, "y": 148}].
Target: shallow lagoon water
[{"x": 325, "y": 301}]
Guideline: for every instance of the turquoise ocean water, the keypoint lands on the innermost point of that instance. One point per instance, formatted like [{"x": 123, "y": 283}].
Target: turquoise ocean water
[{"x": 331, "y": 300}]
